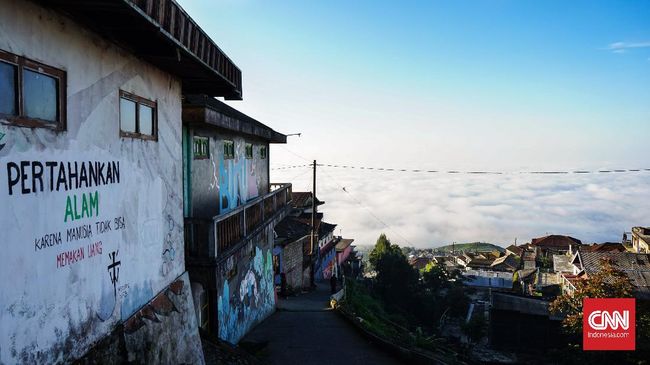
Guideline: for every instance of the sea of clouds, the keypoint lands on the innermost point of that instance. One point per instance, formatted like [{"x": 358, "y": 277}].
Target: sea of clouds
[{"x": 424, "y": 209}]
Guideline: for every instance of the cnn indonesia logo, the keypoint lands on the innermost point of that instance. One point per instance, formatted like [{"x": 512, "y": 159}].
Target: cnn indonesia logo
[{"x": 608, "y": 324}]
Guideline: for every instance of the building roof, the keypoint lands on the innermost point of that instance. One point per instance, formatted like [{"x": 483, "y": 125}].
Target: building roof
[
  {"x": 555, "y": 241},
  {"x": 290, "y": 229},
  {"x": 515, "y": 249},
  {"x": 343, "y": 244},
  {"x": 419, "y": 262},
  {"x": 636, "y": 266},
  {"x": 203, "y": 110},
  {"x": 161, "y": 33},
  {"x": 480, "y": 263},
  {"x": 302, "y": 199},
  {"x": 325, "y": 228},
  {"x": 606, "y": 247},
  {"x": 642, "y": 232},
  {"x": 509, "y": 261}
]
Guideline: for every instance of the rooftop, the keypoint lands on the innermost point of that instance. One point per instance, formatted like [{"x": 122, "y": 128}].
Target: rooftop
[
  {"x": 343, "y": 244},
  {"x": 290, "y": 229},
  {"x": 635, "y": 266},
  {"x": 207, "y": 111},
  {"x": 515, "y": 249},
  {"x": 302, "y": 199},
  {"x": 163, "y": 34},
  {"x": 555, "y": 241}
]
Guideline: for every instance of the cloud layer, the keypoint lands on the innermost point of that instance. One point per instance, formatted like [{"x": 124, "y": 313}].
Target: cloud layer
[{"x": 428, "y": 210}]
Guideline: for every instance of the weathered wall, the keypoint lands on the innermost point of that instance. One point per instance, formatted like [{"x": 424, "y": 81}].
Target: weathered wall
[
  {"x": 163, "y": 331},
  {"x": 246, "y": 295},
  {"x": 70, "y": 281},
  {"x": 292, "y": 262},
  {"x": 220, "y": 185}
]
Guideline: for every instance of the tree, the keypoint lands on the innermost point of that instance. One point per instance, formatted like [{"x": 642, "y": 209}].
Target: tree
[
  {"x": 396, "y": 280},
  {"x": 608, "y": 282}
]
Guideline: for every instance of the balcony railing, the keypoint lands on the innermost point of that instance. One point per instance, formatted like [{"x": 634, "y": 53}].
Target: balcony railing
[
  {"x": 179, "y": 25},
  {"x": 214, "y": 238}
]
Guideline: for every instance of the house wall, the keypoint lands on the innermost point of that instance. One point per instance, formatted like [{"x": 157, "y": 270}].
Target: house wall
[
  {"x": 69, "y": 282},
  {"x": 245, "y": 289},
  {"x": 326, "y": 265},
  {"x": 292, "y": 262},
  {"x": 220, "y": 185}
]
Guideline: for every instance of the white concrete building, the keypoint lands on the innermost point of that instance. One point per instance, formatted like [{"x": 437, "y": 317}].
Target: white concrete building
[{"x": 91, "y": 178}]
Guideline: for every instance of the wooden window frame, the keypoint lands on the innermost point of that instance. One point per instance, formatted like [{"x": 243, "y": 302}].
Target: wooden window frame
[
  {"x": 227, "y": 155},
  {"x": 249, "y": 147},
  {"x": 146, "y": 102},
  {"x": 207, "y": 146},
  {"x": 263, "y": 152},
  {"x": 20, "y": 120}
]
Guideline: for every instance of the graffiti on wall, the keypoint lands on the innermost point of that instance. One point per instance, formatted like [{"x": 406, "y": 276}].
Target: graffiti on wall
[
  {"x": 239, "y": 180},
  {"x": 248, "y": 298}
]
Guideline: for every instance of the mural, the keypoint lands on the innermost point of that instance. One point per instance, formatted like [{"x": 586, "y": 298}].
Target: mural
[
  {"x": 239, "y": 179},
  {"x": 249, "y": 297}
]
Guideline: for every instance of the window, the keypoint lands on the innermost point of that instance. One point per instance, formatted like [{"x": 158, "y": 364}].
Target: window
[
  {"x": 31, "y": 94},
  {"x": 137, "y": 117},
  {"x": 201, "y": 148},
  {"x": 228, "y": 149},
  {"x": 262, "y": 152},
  {"x": 249, "y": 151}
]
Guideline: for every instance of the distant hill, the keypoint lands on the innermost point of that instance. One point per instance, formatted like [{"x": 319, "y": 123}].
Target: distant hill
[{"x": 476, "y": 246}]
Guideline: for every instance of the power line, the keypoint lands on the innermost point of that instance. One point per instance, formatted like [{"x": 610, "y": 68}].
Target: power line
[
  {"x": 472, "y": 172},
  {"x": 366, "y": 208}
]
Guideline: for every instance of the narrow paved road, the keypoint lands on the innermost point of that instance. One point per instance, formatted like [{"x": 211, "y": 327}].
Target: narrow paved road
[{"x": 305, "y": 331}]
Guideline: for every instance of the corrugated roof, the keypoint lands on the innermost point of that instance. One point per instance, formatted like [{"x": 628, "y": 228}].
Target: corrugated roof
[
  {"x": 302, "y": 199},
  {"x": 515, "y": 249},
  {"x": 290, "y": 229},
  {"x": 635, "y": 266},
  {"x": 343, "y": 244}
]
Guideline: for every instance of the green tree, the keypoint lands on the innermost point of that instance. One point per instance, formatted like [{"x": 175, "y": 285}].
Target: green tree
[{"x": 396, "y": 281}]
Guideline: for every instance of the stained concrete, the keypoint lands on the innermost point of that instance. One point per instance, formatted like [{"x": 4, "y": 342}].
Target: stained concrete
[{"x": 305, "y": 331}]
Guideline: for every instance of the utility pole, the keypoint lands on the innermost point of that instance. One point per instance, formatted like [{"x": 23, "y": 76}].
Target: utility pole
[{"x": 313, "y": 227}]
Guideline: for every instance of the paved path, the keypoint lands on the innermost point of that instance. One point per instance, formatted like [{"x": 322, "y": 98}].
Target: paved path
[{"x": 305, "y": 331}]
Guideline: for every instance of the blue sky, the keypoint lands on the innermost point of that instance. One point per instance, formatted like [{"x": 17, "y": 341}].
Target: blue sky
[
  {"x": 477, "y": 85},
  {"x": 494, "y": 81}
]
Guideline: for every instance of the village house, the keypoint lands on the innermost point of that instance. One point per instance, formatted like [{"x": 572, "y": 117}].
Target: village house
[
  {"x": 326, "y": 251},
  {"x": 553, "y": 244},
  {"x": 506, "y": 263},
  {"x": 291, "y": 237},
  {"x": 100, "y": 156},
  {"x": 419, "y": 263},
  {"x": 514, "y": 250},
  {"x": 345, "y": 257},
  {"x": 529, "y": 259},
  {"x": 641, "y": 239},
  {"x": 230, "y": 209},
  {"x": 586, "y": 263}
]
